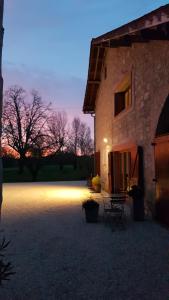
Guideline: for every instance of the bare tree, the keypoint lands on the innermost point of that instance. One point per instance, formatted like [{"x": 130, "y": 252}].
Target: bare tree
[
  {"x": 74, "y": 136},
  {"x": 23, "y": 121},
  {"x": 57, "y": 131},
  {"x": 85, "y": 142},
  {"x": 34, "y": 161},
  {"x": 80, "y": 141}
]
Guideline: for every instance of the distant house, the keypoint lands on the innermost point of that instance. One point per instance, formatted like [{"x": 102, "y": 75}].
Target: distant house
[
  {"x": 1, "y": 88},
  {"x": 128, "y": 93}
]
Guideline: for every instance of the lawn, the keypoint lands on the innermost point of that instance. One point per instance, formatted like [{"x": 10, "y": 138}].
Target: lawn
[{"x": 47, "y": 173}]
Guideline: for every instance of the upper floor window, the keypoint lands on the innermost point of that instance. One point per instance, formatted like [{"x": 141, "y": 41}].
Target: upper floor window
[{"x": 122, "y": 98}]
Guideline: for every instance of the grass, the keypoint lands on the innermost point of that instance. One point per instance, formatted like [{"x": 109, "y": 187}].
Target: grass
[{"x": 46, "y": 173}]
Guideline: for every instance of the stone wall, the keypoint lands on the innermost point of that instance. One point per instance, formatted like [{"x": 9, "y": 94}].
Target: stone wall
[{"x": 149, "y": 65}]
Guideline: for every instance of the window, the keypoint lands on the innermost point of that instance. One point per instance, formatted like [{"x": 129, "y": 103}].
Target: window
[{"x": 122, "y": 98}]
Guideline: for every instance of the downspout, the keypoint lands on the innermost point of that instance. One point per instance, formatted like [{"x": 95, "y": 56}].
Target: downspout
[{"x": 94, "y": 120}]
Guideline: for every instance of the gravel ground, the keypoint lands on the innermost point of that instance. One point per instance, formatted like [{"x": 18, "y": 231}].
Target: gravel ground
[{"x": 59, "y": 256}]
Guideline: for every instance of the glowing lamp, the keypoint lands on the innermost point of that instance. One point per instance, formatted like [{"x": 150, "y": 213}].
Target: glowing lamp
[{"x": 105, "y": 140}]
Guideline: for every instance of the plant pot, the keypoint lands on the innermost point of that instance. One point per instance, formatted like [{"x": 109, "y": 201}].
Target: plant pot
[{"x": 92, "y": 214}]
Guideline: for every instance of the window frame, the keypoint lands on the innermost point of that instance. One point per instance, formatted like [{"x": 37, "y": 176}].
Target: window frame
[{"x": 123, "y": 96}]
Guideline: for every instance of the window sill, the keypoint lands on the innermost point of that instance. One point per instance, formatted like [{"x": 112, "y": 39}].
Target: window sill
[{"x": 122, "y": 114}]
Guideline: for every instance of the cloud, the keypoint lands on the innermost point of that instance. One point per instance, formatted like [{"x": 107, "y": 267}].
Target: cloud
[
  {"x": 65, "y": 93},
  {"x": 50, "y": 84}
]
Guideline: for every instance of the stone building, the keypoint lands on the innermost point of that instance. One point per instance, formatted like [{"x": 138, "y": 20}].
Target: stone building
[
  {"x": 1, "y": 87},
  {"x": 128, "y": 93}
]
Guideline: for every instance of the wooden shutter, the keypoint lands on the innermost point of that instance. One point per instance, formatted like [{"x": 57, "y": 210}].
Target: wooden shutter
[
  {"x": 140, "y": 167},
  {"x": 136, "y": 176},
  {"x": 134, "y": 167},
  {"x": 118, "y": 180},
  {"x": 97, "y": 163},
  {"x": 115, "y": 178},
  {"x": 110, "y": 171}
]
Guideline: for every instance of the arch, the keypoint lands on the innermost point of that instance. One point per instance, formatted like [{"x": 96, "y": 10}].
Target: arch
[
  {"x": 162, "y": 165},
  {"x": 163, "y": 122}
]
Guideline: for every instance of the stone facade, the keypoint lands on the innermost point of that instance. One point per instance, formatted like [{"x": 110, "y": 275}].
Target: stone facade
[{"x": 148, "y": 64}]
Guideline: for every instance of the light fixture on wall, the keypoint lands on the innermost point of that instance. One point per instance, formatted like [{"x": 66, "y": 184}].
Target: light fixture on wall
[{"x": 105, "y": 140}]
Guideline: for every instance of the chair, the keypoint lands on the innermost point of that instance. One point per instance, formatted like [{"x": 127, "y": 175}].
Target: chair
[{"x": 113, "y": 207}]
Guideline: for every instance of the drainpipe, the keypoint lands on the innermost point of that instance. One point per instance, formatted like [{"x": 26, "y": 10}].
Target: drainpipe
[
  {"x": 1, "y": 94},
  {"x": 94, "y": 120}
]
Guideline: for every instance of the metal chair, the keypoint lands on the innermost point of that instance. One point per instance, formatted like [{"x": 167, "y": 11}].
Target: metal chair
[{"x": 113, "y": 209}]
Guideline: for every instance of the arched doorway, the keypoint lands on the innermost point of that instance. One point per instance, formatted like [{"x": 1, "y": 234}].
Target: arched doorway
[{"x": 162, "y": 165}]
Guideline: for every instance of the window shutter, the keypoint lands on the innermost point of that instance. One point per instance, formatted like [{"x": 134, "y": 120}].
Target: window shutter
[
  {"x": 140, "y": 167},
  {"x": 115, "y": 178},
  {"x": 118, "y": 180},
  {"x": 136, "y": 176},
  {"x": 110, "y": 171}
]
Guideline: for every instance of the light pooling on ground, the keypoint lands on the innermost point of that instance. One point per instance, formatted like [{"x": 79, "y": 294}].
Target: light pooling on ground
[{"x": 24, "y": 199}]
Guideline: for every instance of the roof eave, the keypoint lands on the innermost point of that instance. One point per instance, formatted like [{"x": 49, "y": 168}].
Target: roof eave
[{"x": 143, "y": 29}]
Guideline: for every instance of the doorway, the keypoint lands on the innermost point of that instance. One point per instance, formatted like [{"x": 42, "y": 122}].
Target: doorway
[{"x": 125, "y": 168}]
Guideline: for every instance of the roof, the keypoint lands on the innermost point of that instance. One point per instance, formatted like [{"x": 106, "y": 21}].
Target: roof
[{"x": 152, "y": 26}]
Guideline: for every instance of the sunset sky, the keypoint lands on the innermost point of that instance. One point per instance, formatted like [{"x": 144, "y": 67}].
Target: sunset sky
[{"x": 47, "y": 42}]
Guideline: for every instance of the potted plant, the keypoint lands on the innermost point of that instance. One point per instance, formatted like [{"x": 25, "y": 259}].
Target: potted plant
[
  {"x": 91, "y": 210},
  {"x": 96, "y": 184}
]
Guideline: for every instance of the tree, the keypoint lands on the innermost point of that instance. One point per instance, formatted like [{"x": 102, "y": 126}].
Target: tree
[
  {"x": 34, "y": 160},
  {"x": 57, "y": 131},
  {"x": 74, "y": 136},
  {"x": 80, "y": 141},
  {"x": 85, "y": 141},
  {"x": 23, "y": 122}
]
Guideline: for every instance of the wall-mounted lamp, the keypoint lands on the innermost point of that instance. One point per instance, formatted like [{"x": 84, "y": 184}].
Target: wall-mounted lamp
[{"x": 105, "y": 140}]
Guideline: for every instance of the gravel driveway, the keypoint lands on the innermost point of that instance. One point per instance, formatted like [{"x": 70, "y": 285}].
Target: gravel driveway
[{"x": 59, "y": 256}]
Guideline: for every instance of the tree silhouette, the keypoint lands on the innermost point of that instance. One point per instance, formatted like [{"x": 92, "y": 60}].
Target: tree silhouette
[
  {"x": 57, "y": 131},
  {"x": 23, "y": 121}
]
